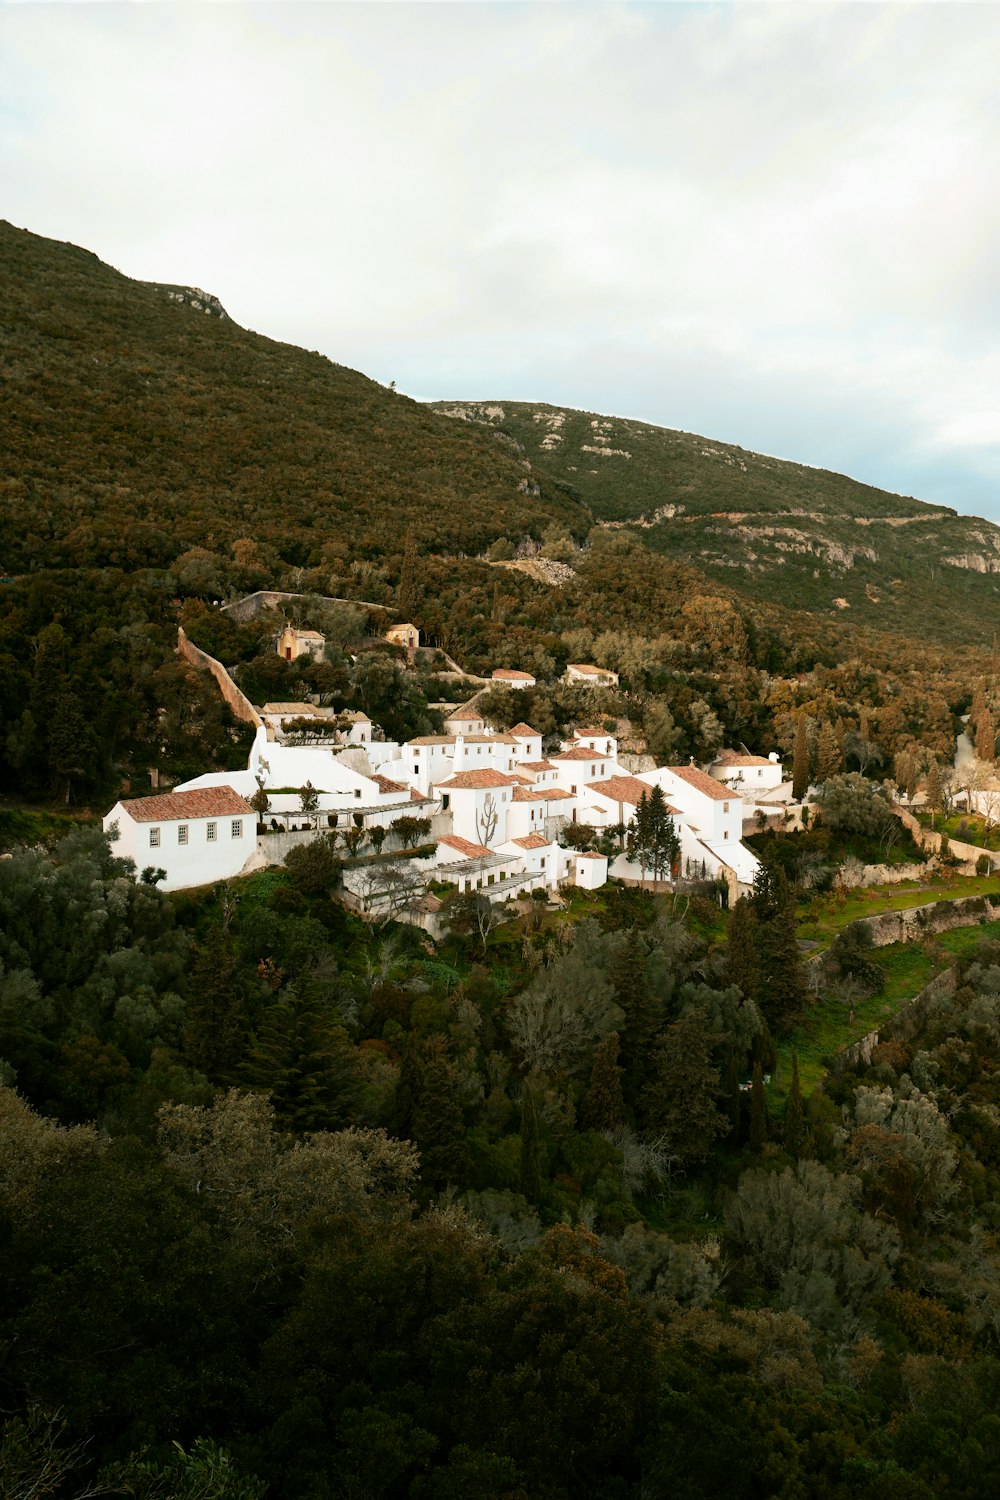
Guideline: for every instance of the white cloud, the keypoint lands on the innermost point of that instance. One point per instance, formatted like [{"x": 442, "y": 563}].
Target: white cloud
[{"x": 770, "y": 223}]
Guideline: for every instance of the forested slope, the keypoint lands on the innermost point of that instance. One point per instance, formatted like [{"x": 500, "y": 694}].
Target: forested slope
[{"x": 777, "y": 531}]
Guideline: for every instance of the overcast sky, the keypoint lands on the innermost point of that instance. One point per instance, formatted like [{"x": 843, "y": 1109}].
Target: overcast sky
[{"x": 772, "y": 224}]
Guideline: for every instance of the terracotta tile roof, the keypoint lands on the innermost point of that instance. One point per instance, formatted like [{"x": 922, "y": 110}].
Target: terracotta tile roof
[
  {"x": 385, "y": 785},
  {"x": 506, "y": 674},
  {"x": 203, "y": 802},
  {"x": 465, "y": 846},
  {"x": 468, "y": 710},
  {"x": 522, "y": 729},
  {"x": 416, "y": 796},
  {"x": 702, "y": 783},
  {"x": 579, "y": 753},
  {"x": 308, "y": 635},
  {"x": 487, "y": 777},
  {"x": 536, "y": 765},
  {"x": 531, "y": 841},
  {"x": 742, "y": 758},
  {"x": 520, "y": 776},
  {"x": 296, "y": 710},
  {"x": 576, "y": 666},
  {"x": 590, "y": 854},
  {"x": 540, "y": 794},
  {"x": 432, "y": 739},
  {"x": 624, "y": 789},
  {"x": 589, "y": 734}
]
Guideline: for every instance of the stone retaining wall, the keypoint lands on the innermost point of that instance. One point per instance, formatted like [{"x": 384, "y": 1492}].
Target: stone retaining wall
[
  {"x": 238, "y": 702},
  {"x": 903, "y": 1025},
  {"x": 930, "y": 839}
]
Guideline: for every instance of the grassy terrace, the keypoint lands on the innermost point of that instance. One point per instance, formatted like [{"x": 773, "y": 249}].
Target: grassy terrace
[{"x": 826, "y": 1028}]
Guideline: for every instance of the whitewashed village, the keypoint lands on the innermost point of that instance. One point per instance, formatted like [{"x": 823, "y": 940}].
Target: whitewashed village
[{"x": 472, "y": 809}]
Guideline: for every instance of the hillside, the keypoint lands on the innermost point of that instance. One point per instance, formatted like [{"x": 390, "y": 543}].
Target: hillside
[
  {"x": 140, "y": 421},
  {"x": 778, "y": 531}
]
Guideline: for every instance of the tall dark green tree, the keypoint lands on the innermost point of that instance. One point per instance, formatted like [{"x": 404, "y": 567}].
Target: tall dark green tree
[
  {"x": 795, "y": 1120},
  {"x": 800, "y": 760},
  {"x": 643, "y": 1012},
  {"x": 216, "y": 1014},
  {"x": 603, "y": 1107},
  {"x": 438, "y": 1125},
  {"x": 308, "y": 1065},
  {"x": 681, "y": 1099},
  {"x": 758, "y": 1110},
  {"x": 530, "y": 1177},
  {"x": 742, "y": 961}
]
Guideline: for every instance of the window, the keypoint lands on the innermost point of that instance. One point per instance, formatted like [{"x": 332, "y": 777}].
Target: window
[
  {"x": 154, "y": 838},
  {"x": 725, "y": 833},
  {"x": 725, "y": 807},
  {"x": 760, "y": 773},
  {"x": 182, "y": 833},
  {"x": 357, "y": 791},
  {"x": 236, "y": 828},
  {"x": 210, "y": 832},
  {"x": 416, "y": 770}
]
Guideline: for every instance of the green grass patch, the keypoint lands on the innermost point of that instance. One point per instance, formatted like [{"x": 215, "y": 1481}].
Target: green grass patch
[
  {"x": 825, "y": 916},
  {"x": 40, "y": 825},
  {"x": 968, "y": 828}
]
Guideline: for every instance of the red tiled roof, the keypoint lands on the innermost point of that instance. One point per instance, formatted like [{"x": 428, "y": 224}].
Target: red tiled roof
[
  {"x": 702, "y": 783},
  {"x": 624, "y": 789},
  {"x": 536, "y": 765},
  {"x": 465, "y": 846},
  {"x": 523, "y": 729},
  {"x": 579, "y": 753},
  {"x": 531, "y": 841},
  {"x": 203, "y": 802},
  {"x": 575, "y": 666},
  {"x": 540, "y": 793},
  {"x": 590, "y": 854},
  {"x": 385, "y": 785},
  {"x": 741, "y": 758},
  {"x": 487, "y": 777},
  {"x": 507, "y": 674},
  {"x": 590, "y": 734}
]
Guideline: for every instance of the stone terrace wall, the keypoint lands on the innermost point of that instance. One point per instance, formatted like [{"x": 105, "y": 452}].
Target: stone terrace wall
[
  {"x": 902, "y": 1025},
  {"x": 918, "y": 922},
  {"x": 930, "y": 839},
  {"x": 254, "y": 604},
  {"x": 238, "y": 702}
]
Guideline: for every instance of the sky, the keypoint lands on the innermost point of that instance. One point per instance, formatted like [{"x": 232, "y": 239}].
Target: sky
[{"x": 776, "y": 225}]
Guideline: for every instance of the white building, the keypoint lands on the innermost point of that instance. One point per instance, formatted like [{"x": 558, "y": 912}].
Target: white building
[
  {"x": 197, "y": 836},
  {"x": 750, "y": 776},
  {"x": 507, "y": 677},
  {"x": 592, "y": 676}
]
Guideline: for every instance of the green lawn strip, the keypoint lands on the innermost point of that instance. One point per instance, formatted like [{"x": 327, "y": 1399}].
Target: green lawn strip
[
  {"x": 826, "y": 916},
  {"x": 825, "y": 1028},
  {"x": 972, "y": 833}
]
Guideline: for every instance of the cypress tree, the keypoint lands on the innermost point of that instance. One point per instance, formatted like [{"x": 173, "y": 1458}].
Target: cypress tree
[
  {"x": 800, "y": 761},
  {"x": 782, "y": 989},
  {"x": 795, "y": 1120},
  {"x": 214, "y": 1026},
  {"x": 530, "y": 1181},
  {"x": 986, "y": 747},
  {"x": 828, "y": 753},
  {"x": 643, "y": 1014},
  {"x": 681, "y": 1099},
  {"x": 758, "y": 1110},
  {"x": 933, "y": 791},
  {"x": 733, "y": 1102},
  {"x": 410, "y": 593},
  {"x": 438, "y": 1124},
  {"x": 742, "y": 964},
  {"x": 603, "y": 1106}
]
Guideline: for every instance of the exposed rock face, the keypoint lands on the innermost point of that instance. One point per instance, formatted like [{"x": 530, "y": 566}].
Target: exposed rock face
[{"x": 193, "y": 296}]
